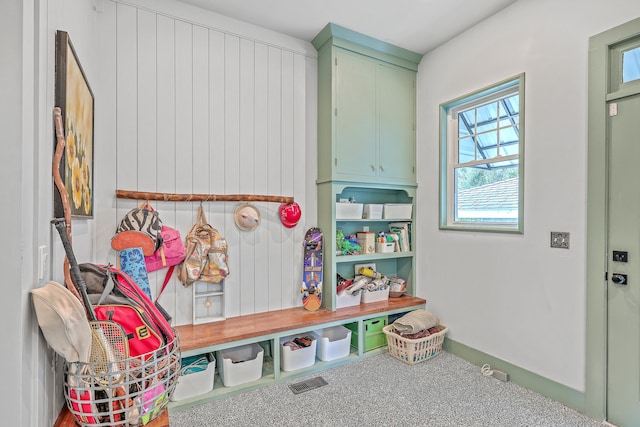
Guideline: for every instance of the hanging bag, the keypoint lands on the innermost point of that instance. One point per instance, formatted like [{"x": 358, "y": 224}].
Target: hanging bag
[
  {"x": 115, "y": 296},
  {"x": 206, "y": 254},
  {"x": 140, "y": 228},
  {"x": 170, "y": 253}
]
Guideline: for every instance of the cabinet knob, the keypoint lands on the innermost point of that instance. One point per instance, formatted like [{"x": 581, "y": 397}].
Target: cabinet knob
[
  {"x": 382, "y": 168},
  {"x": 373, "y": 167}
]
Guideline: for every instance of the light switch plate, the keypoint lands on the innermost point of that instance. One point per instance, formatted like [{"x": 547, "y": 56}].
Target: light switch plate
[{"x": 43, "y": 261}]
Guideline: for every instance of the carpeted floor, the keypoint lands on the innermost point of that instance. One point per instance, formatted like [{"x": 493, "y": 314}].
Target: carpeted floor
[{"x": 445, "y": 391}]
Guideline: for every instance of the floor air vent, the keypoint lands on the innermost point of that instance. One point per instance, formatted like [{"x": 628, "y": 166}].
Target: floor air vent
[{"x": 307, "y": 385}]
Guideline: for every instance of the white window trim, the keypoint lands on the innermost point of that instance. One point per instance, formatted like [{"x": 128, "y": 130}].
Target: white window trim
[{"x": 449, "y": 157}]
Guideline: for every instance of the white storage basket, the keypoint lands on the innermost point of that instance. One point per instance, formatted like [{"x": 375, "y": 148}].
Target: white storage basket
[
  {"x": 414, "y": 351},
  {"x": 333, "y": 343},
  {"x": 135, "y": 390}
]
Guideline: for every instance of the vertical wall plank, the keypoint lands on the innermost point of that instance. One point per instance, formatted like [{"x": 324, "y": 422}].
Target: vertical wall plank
[
  {"x": 273, "y": 179},
  {"x": 200, "y": 156},
  {"x": 217, "y": 165},
  {"x": 232, "y": 166},
  {"x": 184, "y": 143},
  {"x": 126, "y": 101},
  {"x": 105, "y": 146},
  {"x": 166, "y": 108},
  {"x": 166, "y": 149},
  {"x": 261, "y": 165},
  {"x": 287, "y": 177},
  {"x": 184, "y": 106},
  {"x": 147, "y": 109},
  {"x": 147, "y": 101},
  {"x": 246, "y": 245}
]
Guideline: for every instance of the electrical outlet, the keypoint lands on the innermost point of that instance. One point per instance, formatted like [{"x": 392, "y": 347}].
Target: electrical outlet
[
  {"x": 560, "y": 239},
  {"x": 502, "y": 376}
]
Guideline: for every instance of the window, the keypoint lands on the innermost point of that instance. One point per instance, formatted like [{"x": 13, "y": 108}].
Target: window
[
  {"x": 481, "y": 159},
  {"x": 631, "y": 65}
]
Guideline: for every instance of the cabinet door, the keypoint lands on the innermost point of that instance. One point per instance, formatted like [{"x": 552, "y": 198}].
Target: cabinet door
[
  {"x": 396, "y": 109},
  {"x": 355, "y": 132}
]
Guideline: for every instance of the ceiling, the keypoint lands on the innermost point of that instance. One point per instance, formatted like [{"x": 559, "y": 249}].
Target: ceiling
[{"x": 417, "y": 25}]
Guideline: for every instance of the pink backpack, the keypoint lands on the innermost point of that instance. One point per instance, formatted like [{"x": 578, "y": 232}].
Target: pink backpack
[{"x": 170, "y": 253}]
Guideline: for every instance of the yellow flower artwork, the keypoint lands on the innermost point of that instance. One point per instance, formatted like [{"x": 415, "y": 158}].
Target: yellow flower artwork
[{"x": 74, "y": 96}]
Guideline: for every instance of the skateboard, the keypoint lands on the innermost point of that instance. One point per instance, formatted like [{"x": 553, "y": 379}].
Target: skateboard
[{"x": 312, "y": 271}]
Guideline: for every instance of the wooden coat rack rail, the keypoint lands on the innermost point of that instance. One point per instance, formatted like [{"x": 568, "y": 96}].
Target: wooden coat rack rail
[{"x": 173, "y": 197}]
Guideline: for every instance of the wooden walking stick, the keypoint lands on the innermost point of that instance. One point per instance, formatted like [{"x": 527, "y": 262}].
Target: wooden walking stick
[{"x": 64, "y": 195}]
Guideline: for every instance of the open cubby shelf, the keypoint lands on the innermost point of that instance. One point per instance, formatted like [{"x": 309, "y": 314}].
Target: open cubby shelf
[{"x": 267, "y": 328}]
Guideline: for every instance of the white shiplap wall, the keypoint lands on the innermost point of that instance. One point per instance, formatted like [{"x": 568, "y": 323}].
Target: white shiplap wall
[{"x": 188, "y": 104}]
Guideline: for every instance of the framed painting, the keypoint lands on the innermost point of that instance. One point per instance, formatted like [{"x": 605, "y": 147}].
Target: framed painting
[{"x": 74, "y": 97}]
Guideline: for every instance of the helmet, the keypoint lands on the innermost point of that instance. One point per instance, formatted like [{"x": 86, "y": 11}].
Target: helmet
[{"x": 290, "y": 214}]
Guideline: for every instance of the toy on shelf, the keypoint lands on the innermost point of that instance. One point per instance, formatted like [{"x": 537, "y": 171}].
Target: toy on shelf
[{"x": 350, "y": 245}]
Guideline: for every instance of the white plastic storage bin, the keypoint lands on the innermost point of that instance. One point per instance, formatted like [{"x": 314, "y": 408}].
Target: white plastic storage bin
[
  {"x": 375, "y": 296},
  {"x": 333, "y": 343},
  {"x": 385, "y": 247},
  {"x": 349, "y": 210},
  {"x": 372, "y": 211},
  {"x": 345, "y": 300},
  {"x": 397, "y": 210},
  {"x": 194, "y": 380},
  {"x": 300, "y": 358},
  {"x": 240, "y": 365}
]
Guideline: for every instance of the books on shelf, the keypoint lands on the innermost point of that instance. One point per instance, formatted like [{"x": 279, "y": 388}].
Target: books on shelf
[{"x": 403, "y": 230}]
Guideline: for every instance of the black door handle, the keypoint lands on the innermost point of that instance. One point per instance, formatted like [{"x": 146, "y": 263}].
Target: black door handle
[{"x": 619, "y": 279}]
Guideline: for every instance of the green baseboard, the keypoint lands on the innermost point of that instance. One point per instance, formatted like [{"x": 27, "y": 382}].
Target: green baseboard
[{"x": 567, "y": 396}]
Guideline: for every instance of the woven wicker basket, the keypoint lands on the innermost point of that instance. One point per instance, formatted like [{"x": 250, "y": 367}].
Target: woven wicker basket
[
  {"x": 136, "y": 389},
  {"x": 414, "y": 351}
]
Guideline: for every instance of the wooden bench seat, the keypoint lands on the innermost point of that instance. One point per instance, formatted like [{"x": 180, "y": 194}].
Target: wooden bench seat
[{"x": 201, "y": 336}]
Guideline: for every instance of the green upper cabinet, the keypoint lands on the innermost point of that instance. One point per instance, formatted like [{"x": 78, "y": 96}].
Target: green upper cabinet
[
  {"x": 366, "y": 109},
  {"x": 355, "y": 117}
]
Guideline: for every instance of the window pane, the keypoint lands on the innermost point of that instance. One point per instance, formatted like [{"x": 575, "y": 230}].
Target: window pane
[
  {"x": 468, "y": 118},
  {"x": 513, "y": 104},
  {"x": 486, "y": 195},
  {"x": 462, "y": 129},
  {"x": 466, "y": 150},
  {"x": 490, "y": 153},
  {"x": 508, "y": 141},
  {"x": 508, "y": 134},
  {"x": 487, "y": 117},
  {"x": 631, "y": 65},
  {"x": 508, "y": 149},
  {"x": 485, "y": 141},
  {"x": 511, "y": 121}
]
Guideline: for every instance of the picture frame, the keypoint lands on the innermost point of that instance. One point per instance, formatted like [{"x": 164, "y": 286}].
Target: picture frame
[{"x": 74, "y": 97}]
